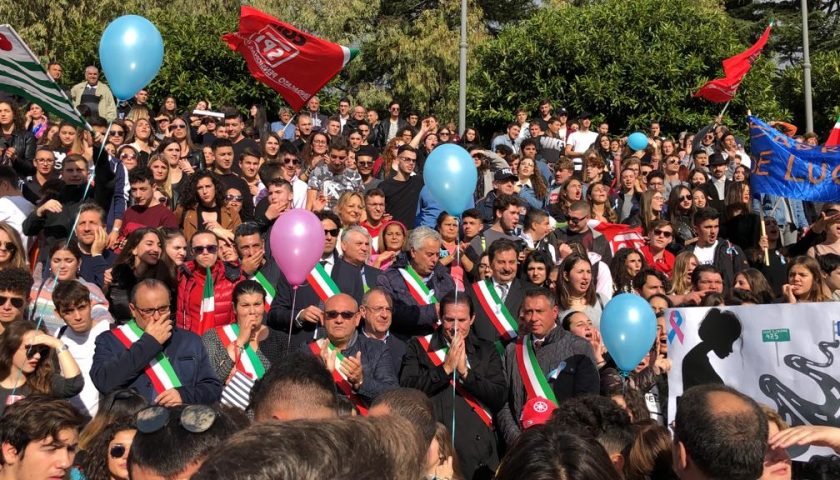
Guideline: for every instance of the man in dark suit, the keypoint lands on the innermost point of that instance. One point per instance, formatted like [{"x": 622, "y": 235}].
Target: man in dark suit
[
  {"x": 355, "y": 248},
  {"x": 715, "y": 188},
  {"x": 377, "y": 311},
  {"x": 366, "y": 366},
  {"x": 497, "y": 299},
  {"x": 307, "y": 315},
  {"x": 480, "y": 383}
]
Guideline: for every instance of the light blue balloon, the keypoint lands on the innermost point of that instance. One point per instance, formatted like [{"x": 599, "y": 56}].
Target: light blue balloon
[
  {"x": 637, "y": 141},
  {"x": 628, "y": 328},
  {"x": 451, "y": 176},
  {"x": 131, "y": 53}
]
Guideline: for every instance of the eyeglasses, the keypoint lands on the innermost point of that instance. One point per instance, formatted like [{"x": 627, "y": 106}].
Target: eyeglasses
[
  {"x": 332, "y": 314},
  {"x": 127, "y": 156},
  {"x": 319, "y": 142},
  {"x": 45, "y": 160},
  {"x": 291, "y": 160},
  {"x": 662, "y": 233},
  {"x": 32, "y": 350},
  {"x": 332, "y": 232},
  {"x": 234, "y": 198},
  {"x": 444, "y": 133},
  {"x": 199, "y": 249},
  {"x": 17, "y": 302},
  {"x": 378, "y": 310},
  {"x": 148, "y": 312},
  {"x": 193, "y": 418},
  {"x": 117, "y": 451},
  {"x": 9, "y": 246},
  {"x": 116, "y": 133},
  {"x": 177, "y": 126}
]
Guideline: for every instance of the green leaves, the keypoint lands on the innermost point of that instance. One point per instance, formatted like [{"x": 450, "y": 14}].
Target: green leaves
[{"x": 632, "y": 61}]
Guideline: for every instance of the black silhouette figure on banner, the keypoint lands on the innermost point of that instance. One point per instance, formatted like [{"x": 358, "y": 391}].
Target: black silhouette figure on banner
[
  {"x": 795, "y": 409},
  {"x": 718, "y": 331}
]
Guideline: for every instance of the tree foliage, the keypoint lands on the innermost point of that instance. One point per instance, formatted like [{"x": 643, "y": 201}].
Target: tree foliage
[
  {"x": 825, "y": 74},
  {"x": 631, "y": 60}
]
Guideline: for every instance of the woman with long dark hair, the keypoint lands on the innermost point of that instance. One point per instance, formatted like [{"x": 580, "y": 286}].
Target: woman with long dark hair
[
  {"x": 624, "y": 266},
  {"x": 203, "y": 207},
  {"x": 179, "y": 169},
  {"x": 140, "y": 259},
  {"x": 680, "y": 212},
  {"x": 106, "y": 458},
  {"x": 258, "y": 120},
  {"x": 27, "y": 359},
  {"x": 576, "y": 288},
  {"x": 20, "y": 143},
  {"x": 740, "y": 225}
]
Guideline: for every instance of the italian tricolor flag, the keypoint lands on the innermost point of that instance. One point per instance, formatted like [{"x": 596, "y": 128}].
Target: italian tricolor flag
[
  {"x": 208, "y": 302},
  {"x": 834, "y": 137}
]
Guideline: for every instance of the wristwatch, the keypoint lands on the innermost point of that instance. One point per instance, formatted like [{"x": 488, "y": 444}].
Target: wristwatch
[{"x": 64, "y": 348}]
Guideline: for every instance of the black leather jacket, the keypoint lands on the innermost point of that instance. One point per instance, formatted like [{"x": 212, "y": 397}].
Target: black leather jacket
[{"x": 24, "y": 144}]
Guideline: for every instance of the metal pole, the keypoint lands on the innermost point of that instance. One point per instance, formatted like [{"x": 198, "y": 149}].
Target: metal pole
[
  {"x": 806, "y": 69},
  {"x": 462, "y": 88}
]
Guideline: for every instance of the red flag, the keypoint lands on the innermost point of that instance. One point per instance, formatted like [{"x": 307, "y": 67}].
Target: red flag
[
  {"x": 834, "y": 137},
  {"x": 620, "y": 235},
  {"x": 294, "y": 63},
  {"x": 735, "y": 68}
]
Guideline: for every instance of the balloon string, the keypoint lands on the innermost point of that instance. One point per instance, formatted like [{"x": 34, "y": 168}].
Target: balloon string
[
  {"x": 291, "y": 318},
  {"x": 39, "y": 319},
  {"x": 454, "y": 382}
]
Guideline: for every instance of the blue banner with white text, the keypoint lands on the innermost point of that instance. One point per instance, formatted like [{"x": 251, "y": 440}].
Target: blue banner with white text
[{"x": 782, "y": 166}]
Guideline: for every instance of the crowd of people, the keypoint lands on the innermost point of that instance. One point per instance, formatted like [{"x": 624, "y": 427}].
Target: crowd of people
[{"x": 146, "y": 331}]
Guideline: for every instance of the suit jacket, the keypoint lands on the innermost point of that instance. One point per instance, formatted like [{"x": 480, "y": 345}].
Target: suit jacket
[
  {"x": 396, "y": 347},
  {"x": 115, "y": 366},
  {"x": 107, "y": 105},
  {"x": 569, "y": 367},
  {"x": 411, "y": 318},
  {"x": 475, "y": 443},
  {"x": 483, "y": 327},
  {"x": 716, "y": 201},
  {"x": 346, "y": 277},
  {"x": 378, "y": 374}
]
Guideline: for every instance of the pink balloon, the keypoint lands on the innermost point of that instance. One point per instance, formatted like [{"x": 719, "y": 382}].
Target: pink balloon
[{"x": 297, "y": 243}]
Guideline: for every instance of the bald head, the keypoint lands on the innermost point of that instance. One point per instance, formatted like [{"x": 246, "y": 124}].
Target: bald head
[
  {"x": 341, "y": 318},
  {"x": 343, "y": 301}
]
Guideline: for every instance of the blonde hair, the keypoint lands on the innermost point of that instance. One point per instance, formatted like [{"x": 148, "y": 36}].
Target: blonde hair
[
  {"x": 679, "y": 284},
  {"x": 344, "y": 199},
  {"x": 166, "y": 186}
]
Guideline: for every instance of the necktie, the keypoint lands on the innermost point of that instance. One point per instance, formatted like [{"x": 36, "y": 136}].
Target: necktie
[
  {"x": 503, "y": 291},
  {"x": 323, "y": 263}
]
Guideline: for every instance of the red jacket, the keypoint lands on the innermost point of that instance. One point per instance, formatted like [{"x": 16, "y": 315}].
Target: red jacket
[{"x": 191, "y": 291}]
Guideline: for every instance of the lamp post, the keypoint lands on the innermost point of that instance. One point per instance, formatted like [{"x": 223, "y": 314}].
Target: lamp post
[
  {"x": 806, "y": 69},
  {"x": 462, "y": 80}
]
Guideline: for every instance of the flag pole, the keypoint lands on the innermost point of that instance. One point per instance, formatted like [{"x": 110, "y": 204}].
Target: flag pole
[
  {"x": 806, "y": 69},
  {"x": 462, "y": 75},
  {"x": 724, "y": 110}
]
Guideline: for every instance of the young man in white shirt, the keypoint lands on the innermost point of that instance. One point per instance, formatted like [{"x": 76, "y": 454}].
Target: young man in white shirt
[{"x": 73, "y": 305}]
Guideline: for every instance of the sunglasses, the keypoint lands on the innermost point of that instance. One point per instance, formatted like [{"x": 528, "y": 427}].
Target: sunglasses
[
  {"x": 199, "y": 249},
  {"x": 8, "y": 246},
  {"x": 177, "y": 126},
  {"x": 32, "y": 350},
  {"x": 333, "y": 232},
  {"x": 444, "y": 133},
  {"x": 116, "y": 133},
  {"x": 364, "y": 164},
  {"x": 193, "y": 418},
  {"x": 674, "y": 161},
  {"x": 127, "y": 156},
  {"x": 685, "y": 197},
  {"x": 234, "y": 198},
  {"x": 293, "y": 161},
  {"x": 332, "y": 314},
  {"x": 662, "y": 233},
  {"x": 117, "y": 451},
  {"x": 17, "y": 302},
  {"x": 576, "y": 220}
]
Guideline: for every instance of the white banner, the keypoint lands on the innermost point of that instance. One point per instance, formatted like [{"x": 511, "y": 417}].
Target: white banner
[{"x": 781, "y": 355}]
